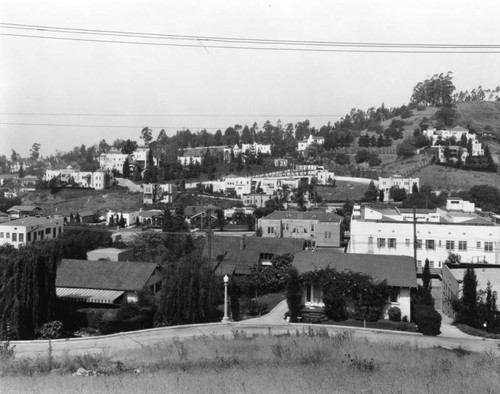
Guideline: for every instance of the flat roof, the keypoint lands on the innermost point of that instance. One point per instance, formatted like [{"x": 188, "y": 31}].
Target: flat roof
[{"x": 31, "y": 221}]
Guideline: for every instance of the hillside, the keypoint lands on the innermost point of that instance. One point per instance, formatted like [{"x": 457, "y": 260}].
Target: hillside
[{"x": 481, "y": 114}]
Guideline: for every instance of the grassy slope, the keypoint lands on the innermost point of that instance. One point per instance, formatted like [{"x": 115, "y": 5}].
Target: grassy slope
[
  {"x": 308, "y": 363},
  {"x": 481, "y": 114}
]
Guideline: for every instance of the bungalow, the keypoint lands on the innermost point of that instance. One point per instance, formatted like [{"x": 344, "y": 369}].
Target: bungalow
[
  {"x": 105, "y": 282},
  {"x": 398, "y": 271},
  {"x": 19, "y": 211},
  {"x": 236, "y": 255}
]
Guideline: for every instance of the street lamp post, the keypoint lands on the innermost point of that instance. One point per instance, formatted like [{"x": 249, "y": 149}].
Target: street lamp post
[{"x": 225, "y": 319}]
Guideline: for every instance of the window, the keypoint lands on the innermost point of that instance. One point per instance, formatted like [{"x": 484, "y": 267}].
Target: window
[
  {"x": 21, "y": 237},
  {"x": 381, "y": 242},
  {"x": 47, "y": 231},
  {"x": 419, "y": 244},
  {"x": 407, "y": 241},
  {"x": 419, "y": 263},
  {"x": 431, "y": 264},
  {"x": 286, "y": 226},
  {"x": 462, "y": 245},
  {"x": 14, "y": 237},
  {"x": 394, "y": 295},
  {"x": 270, "y": 230},
  {"x": 488, "y": 246},
  {"x": 1, "y": 235},
  {"x": 312, "y": 227},
  {"x": 478, "y": 244},
  {"x": 7, "y": 235},
  {"x": 328, "y": 234},
  {"x": 28, "y": 237},
  {"x": 430, "y": 244},
  {"x": 392, "y": 242},
  {"x": 450, "y": 245}
]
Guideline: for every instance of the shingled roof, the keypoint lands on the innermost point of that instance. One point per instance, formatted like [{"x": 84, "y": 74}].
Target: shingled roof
[
  {"x": 306, "y": 215},
  {"x": 108, "y": 275},
  {"x": 396, "y": 270},
  {"x": 238, "y": 254}
]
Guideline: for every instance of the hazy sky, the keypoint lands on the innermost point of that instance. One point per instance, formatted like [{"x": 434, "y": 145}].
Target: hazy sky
[{"x": 228, "y": 86}]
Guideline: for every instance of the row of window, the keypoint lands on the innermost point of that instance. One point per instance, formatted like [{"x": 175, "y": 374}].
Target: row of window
[
  {"x": 19, "y": 237},
  {"x": 431, "y": 244}
]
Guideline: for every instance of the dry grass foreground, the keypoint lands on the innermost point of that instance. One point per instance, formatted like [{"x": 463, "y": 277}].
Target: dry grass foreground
[{"x": 307, "y": 361}]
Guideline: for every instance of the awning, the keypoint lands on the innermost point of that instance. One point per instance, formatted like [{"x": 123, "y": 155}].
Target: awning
[{"x": 89, "y": 295}]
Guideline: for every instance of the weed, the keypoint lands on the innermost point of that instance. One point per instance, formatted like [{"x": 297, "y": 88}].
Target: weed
[
  {"x": 7, "y": 351},
  {"x": 182, "y": 350},
  {"x": 361, "y": 364}
]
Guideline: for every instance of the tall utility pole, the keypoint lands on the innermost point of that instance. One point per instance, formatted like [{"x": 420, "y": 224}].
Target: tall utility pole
[
  {"x": 415, "y": 237},
  {"x": 209, "y": 237}
]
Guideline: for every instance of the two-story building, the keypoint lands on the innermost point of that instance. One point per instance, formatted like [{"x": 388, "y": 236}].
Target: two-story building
[
  {"x": 433, "y": 234},
  {"x": 319, "y": 229},
  {"x": 23, "y": 231}
]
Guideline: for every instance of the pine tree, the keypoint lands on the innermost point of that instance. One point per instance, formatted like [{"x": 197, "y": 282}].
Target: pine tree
[
  {"x": 426, "y": 276},
  {"x": 111, "y": 221},
  {"x": 126, "y": 169},
  {"x": 77, "y": 218},
  {"x": 122, "y": 221},
  {"x": 71, "y": 217}
]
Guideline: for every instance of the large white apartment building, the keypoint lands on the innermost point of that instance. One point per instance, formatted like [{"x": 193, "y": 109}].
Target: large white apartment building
[
  {"x": 23, "y": 231},
  {"x": 458, "y": 229},
  {"x": 113, "y": 160},
  {"x": 385, "y": 184}
]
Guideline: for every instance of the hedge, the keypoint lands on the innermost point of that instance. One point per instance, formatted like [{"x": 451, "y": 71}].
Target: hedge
[{"x": 428, "y": 320}]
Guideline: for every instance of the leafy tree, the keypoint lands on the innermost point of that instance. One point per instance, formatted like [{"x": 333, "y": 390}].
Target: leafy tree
[
  {"x": 405, "y": 150},
  {"x": 362, "y": 156},
  {"x": 104, "y": 147},
  {"x": 271, "y": 278},
  {"x": 35, "y": 151},
  {"x": 436, "y": 91},
  {"x": 342, "y": 159},
  {"x": 188, "y": 293},
  {"x": 27, "y": 286},
  {"x": 129, "y": 147},
  {"x": 397, "y": 194},
  {"x": 146, "y": 135}
]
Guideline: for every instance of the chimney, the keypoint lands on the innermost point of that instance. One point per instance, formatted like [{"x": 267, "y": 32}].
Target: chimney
[{"x": 242, "y": 242}]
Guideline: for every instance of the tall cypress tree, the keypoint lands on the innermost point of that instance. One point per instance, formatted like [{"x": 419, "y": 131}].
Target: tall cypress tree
[{"x": 469, "y": 298}]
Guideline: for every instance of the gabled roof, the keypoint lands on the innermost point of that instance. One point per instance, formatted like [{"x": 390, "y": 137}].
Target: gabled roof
[
  {"x": 227, "y": 249},
  {"x": 105, "y": 275},
  {"x": 396, "y": 270},
  {"x": 307, "y": 215},
  {"x": 23, "y": 208}
]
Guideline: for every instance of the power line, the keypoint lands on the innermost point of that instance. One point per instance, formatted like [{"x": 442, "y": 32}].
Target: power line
[
  {"x": 239, "y": 39},
  {"x": 105, "y": 126},
  {"x": 252, "y": 43},
  {"x": 170, "y": 115}
]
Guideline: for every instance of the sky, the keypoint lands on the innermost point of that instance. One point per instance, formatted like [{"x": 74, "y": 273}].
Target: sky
[{"x": 47, "y": 84}]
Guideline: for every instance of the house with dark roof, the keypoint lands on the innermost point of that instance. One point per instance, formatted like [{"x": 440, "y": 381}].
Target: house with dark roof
[
  {"x": 236, "y": 255},
  {"x": 398, "y": 272},
  {"x": 319, "y": 229},
  {"x": 105, "y": 282},
  {"x": 19, "y": 211}
]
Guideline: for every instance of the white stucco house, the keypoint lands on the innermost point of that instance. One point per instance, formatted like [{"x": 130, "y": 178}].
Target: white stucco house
[{"x": 398, "y": 272}]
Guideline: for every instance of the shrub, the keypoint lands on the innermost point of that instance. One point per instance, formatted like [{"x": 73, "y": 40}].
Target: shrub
[
  {"x": 50, "y": 330},
  {"x": 394, "y": 313},
  {"x": 428, "y": 320},
  {"x": 254, "y": 307}
]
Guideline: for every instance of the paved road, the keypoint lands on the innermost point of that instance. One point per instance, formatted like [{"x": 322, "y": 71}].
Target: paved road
[{"x": 272, "y": 322}]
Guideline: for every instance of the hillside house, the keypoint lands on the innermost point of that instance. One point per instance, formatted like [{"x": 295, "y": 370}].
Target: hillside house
[
  {"x": 319, "y": 229},
  {"x": 106, "y": 282},
  {"x": 20, "y": 211},
  {"x": 308, "y": 141},
  {"x": 397, "y": 271}
]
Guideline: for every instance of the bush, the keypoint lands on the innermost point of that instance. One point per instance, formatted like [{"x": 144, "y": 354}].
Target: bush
[
  {"x": 428, "y": 320},
  {"x": 394, "y": 314},
  {"x": 254, "y": 307},
  {"x": 50, "y": 330}
]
